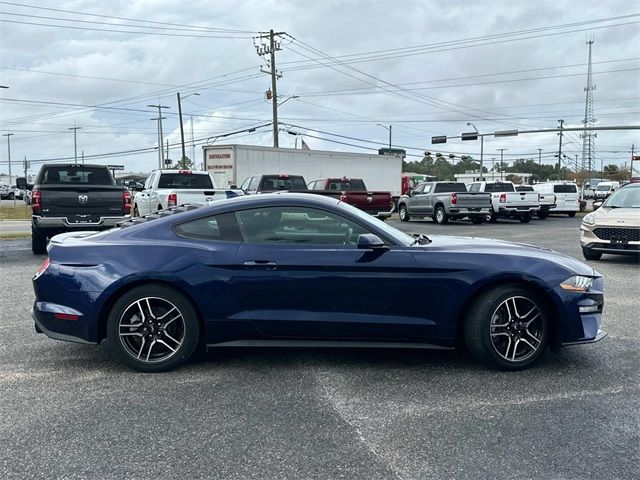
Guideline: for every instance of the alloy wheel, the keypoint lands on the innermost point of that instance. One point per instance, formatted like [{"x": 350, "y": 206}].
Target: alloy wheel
[
  {"x": 517, "y": 329},
  {"x": 151, "y": 329}
]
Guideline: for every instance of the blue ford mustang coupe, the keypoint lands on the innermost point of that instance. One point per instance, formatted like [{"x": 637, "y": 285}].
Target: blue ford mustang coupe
[{"x": 304, "y": 270}]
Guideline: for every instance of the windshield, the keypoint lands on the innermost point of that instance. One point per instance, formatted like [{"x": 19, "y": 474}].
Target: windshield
[
  {"x": 498, "y": 187},
  {"x": 353, "y": 185},
  {"x": 391, "y": 232},
  {"x": 185, "y": 181},
  {"x": 570, "y": 188},
  {"x": 603, "y": 188},
  {"x": 624, "y": 198},
  {"x": 75, "y": 175},
  {"x": 283, "y": 182}
]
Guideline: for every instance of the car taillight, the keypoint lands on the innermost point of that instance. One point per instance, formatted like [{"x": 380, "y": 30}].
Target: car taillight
[
  {"x": 454, "y": 199},
  {"x": 126, "y": 201},
  {"x": 36, "y": 200},
  {"x": 172, "y": 200},
  {"x": 42, "y": 268},
  {"x": 503, "y": 198},
  {"x": 343, "y": 198}
]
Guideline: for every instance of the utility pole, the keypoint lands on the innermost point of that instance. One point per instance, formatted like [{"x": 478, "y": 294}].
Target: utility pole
[
  {"x": 167, "y": 157},
  {"x": 184, "y": 154},
  {"x": 560, "y": 149},
  {"x": 493, "y": 168},
  {"x": 160, "y": 134},
  {"x": 75, "y": 143},
  {"x": 481, "y": 147},
  {"x": 632, "y": 159},
  {"x": 270, "y": 49},
  {"x": 83, "y": 156},
  {"x": 539, "y": 157},
  {"x": 588, "y": 137},
  {"x": 8, "y": 135},
  {"x": 502, "y": 162},
  {"x": 26, "y": 166},
  {"x": 193, "y": 145}
]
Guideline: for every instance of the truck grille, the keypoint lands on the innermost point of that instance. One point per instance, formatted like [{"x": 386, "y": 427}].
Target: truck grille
[{"x": 625, "y": 234}]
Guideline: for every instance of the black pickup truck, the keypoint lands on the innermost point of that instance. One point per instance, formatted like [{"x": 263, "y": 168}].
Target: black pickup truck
[{"x": 75, "y": 197}]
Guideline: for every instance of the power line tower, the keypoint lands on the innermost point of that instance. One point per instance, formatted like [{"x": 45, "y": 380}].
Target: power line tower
[
  {"x": 588, "y": 137},
  {"x": 269, "y": 44}
]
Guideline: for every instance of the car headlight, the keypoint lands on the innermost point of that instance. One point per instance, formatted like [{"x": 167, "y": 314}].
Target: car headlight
[
  {"x": 577, "y": 283},
  {"x": 589, "y": 219}
]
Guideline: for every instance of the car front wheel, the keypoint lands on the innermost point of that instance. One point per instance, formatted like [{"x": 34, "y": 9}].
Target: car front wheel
[
  {"x": 440, "y": 216},
  {"x": 591, "y": 254},
  {"x": 507, "y": 327},
  {"x": 403, "y": 214},
  {"x": 153, "y": 328}
]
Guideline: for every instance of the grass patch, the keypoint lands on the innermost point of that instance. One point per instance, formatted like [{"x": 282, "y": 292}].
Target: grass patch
[
  {"x": 14, "y": 236},
  {"x": 19, "y": 212}
]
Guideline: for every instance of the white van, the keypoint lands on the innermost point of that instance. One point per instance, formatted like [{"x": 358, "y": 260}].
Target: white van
[
  {"x": 567, "y": 196},
  {"x": 604, "y": 189}
]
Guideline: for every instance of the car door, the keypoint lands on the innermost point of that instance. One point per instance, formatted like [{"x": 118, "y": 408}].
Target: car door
[
  {"x": 413, "y": 201},
  {"x": 143, "y": 199},
  {"x": 300, "y": 275}
]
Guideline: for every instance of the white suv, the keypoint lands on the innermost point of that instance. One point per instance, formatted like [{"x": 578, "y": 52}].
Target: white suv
[{"x": 567, "y": 196}]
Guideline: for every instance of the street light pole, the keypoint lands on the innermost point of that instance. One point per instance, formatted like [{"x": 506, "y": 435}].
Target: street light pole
[
  {"x": 502, "y": 162},
  {"x": 8, "y": 135},
  {"x": 481, "y": 148},
  {"x": 387, "y": 128},
  {"x": 539, "y": 157},
  {"x": 75, "y": 143}
]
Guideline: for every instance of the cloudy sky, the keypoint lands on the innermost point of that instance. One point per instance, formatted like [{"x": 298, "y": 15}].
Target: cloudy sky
[{"x": 425, "y": 68}]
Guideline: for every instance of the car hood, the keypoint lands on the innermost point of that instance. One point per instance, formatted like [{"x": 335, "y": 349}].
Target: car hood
[
  {"x": 488, "y": 246},
  {"x": 617, "y": 217}
]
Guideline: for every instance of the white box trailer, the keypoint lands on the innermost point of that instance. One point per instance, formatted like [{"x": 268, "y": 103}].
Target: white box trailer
[{"x": 232, "y": 164}]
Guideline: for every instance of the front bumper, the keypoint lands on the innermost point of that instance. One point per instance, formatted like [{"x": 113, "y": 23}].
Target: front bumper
[
  {"x": 64, "y": 223},
  {"x": 588, "y": 239}
]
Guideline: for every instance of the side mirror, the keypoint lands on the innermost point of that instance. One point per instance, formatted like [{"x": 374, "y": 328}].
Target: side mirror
[
  {"x": 233, "y": 187},
  {"x": 21, "y": 183},
  {"x": 369, "y": 241}
]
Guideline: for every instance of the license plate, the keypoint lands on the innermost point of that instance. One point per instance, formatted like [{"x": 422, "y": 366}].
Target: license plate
[{"x": 618, "y": 241}]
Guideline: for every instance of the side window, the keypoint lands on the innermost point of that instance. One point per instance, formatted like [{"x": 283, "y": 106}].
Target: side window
[
  {"x": 475, "y": 187},
  {"x": 427, "y": 188},
  {"x": 149, "y": 181},
  {"x": 297, "y": 225},
  {"x": 312, "y": 185},
  {"x": 419, "y": 189},
  {"x": 253, "y": 185},
  {"x": 245, "y": 184},
  {"x": 223, "y": 228}
]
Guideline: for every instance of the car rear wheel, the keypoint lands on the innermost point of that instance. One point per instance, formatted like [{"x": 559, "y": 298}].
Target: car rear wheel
[
  {"x": 136, "y": 213},
  {"x": 507, "y": 327},
  {"x": 153, "y": 328},
  {"x": 572, "y": 214},
  {"x": 477, "y": 220},
  {"x": 493, "y": 218},
  {"x": 440, "y": 216},
  {"x": 38, "y": 242},
  {"x": 525, "y": 218},
  {"x": 542, "y": 214},
  {"x": 591, "y": 254},
  {"x": 403, "y": 214}
]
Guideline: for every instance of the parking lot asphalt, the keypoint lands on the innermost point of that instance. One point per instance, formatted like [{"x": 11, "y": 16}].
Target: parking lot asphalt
[{"x": 71, "y": 411}]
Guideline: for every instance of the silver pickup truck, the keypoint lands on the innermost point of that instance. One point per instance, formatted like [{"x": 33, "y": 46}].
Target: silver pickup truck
[{"x": 444, "y": 201}]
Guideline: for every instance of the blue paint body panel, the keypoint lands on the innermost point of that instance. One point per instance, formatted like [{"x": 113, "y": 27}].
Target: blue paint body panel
[{"x": 413, "y": 294}]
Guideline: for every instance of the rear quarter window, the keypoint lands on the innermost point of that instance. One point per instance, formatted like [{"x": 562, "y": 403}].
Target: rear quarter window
[
  {"x": 450, "y": 187},
  {"x": 223, "y": 228},
  {"x": 185, "y": 181}
]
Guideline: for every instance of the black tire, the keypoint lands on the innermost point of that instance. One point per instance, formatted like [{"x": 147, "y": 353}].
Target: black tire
[
  {"x": 493, "y": 218},
  {"x": 525, "y": 218},
  {"x": 572, "y": 214},
  {"x": 403, "y": 214},
  {"x": 489, "y": 347},
  {"x": 136, "y": 213},
  {"x": 477, "y": 220},
  {"x": 38, "y": 241},
  {"x": 591, "y": 254},
  {"x": 440, "y": 216},
  {"x": 184, "y": 331},
  {"x": 542, "y": 214}
]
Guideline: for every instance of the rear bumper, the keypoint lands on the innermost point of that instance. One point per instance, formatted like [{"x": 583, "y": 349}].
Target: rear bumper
[
  {"x": 518, "y": 210},
  {"x": 63, "y": 223},
  {"x": 469, "y": 212},
  {"x": 382, "y": 214},
  {"x": 78, "y": 330}
]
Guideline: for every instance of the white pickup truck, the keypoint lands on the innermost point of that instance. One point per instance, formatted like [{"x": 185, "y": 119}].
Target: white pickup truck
[
  {"x": 507, "y": 202},
  {"x": 169, "y": 188},
  {"x": 547, "y": 200}
]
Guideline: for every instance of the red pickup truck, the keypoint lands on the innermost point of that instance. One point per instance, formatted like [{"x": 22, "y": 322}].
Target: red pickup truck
[{"x": 354, "y": 192}]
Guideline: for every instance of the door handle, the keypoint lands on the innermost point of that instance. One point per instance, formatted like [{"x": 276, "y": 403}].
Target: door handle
[{"x": 262, "y": 264}]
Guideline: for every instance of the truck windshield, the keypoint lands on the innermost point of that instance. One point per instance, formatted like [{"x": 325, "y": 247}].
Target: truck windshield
[
  {"x": 283, "y": 182},
  {"x": 448, "y": 187},
  {"x": 603, "y": 188},
  {"x": 185, "y": 181},
  {"x": 498, "y": 187},
  {"x": 75, "y": 175},
  {"x": 565, "y": 189}
]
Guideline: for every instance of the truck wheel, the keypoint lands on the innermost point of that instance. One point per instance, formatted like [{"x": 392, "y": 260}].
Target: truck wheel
[
  {"x": 38, "y": 242},
  {"x": 591, "y": 254},
  {"x": 403, "y": 214},
  {"x": 440, "y": 216},
  {"x": 542, "y": 214},
  {"x": 572, "y": 214},
  {"x": 136, "y": 213},
  {"x": 477, "y": 220},
  {"x": 525, "y": 218}
]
